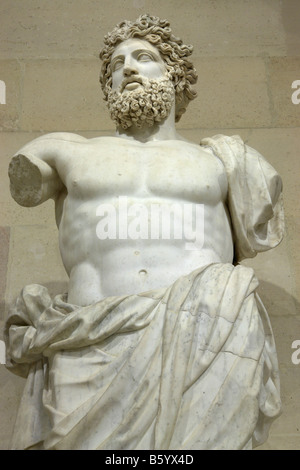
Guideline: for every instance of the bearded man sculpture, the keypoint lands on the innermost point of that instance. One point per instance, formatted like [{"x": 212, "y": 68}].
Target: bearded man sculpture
[{"x": 161, "y": 341}]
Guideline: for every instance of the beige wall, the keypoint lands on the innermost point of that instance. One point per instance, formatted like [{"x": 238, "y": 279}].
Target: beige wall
[{"x": 247, "y": 54}]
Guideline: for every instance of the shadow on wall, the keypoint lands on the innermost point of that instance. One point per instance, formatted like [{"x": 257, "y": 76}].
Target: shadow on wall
[
  {"x": 284, "y": 313},
  {"x": 277, "y": 301}
]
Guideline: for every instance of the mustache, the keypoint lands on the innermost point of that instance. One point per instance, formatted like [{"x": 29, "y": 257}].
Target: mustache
[{"x": 133, "y": 78}]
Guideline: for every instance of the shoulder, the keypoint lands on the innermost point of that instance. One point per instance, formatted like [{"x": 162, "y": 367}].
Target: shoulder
[
  {"x": 235, "y": 153},
  {"x": 53, "y": 142},
  {"x": 62, "y": 137},
  {"x": 224, "y": 145}
]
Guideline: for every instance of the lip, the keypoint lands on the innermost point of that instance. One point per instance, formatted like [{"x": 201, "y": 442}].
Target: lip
[{"x": 131, "y": 83}]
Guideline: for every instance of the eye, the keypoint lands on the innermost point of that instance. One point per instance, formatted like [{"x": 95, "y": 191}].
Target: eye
[
  {"x": 117, "y": 64},
  {"x": 145, "y": 57}
]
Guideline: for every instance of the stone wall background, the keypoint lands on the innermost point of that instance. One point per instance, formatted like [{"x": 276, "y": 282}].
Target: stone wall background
[{"x": 247, "y": 54}]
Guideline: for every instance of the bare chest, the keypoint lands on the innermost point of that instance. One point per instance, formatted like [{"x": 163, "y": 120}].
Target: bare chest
[{"x": 168, "y": 170}]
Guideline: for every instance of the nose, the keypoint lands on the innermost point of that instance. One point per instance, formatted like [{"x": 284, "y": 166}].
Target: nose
[{"x": 129, "y": 68}]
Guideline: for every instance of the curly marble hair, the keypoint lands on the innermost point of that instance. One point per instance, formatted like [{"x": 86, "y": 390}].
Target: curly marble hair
[{"x": 172, "y": 50}]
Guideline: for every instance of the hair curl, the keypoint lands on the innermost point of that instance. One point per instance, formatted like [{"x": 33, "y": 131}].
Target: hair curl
[{"x": 173, "y": 51}]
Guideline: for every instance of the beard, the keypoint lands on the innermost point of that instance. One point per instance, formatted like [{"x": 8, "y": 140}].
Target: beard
[{"x": 143, "y": 106}]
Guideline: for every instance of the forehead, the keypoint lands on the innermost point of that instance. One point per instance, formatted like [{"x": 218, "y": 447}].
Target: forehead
[{"x": 133, "y": 44}]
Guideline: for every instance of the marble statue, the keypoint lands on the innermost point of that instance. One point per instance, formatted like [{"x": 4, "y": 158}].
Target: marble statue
[{"x": 161, "y": 341}]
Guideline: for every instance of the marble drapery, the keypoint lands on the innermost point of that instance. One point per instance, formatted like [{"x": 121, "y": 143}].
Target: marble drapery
[{"x": 192, "y": 366}]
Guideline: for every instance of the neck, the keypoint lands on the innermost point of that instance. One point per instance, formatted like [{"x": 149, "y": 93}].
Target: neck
[{"x": 163, "y": 130}]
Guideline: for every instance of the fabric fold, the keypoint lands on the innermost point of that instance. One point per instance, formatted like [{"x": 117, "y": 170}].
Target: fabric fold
[
  {"x": 192, "y": 366},
  {"x": 254, "y": 196}
]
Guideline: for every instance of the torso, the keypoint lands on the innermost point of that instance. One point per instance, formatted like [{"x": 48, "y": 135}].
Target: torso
[{"x": 120, "y": 173}]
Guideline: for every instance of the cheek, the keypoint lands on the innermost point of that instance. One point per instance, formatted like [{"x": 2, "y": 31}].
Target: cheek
[
  {"x": 117, "y": 78},
  {"x": 153, "y": 70}
]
